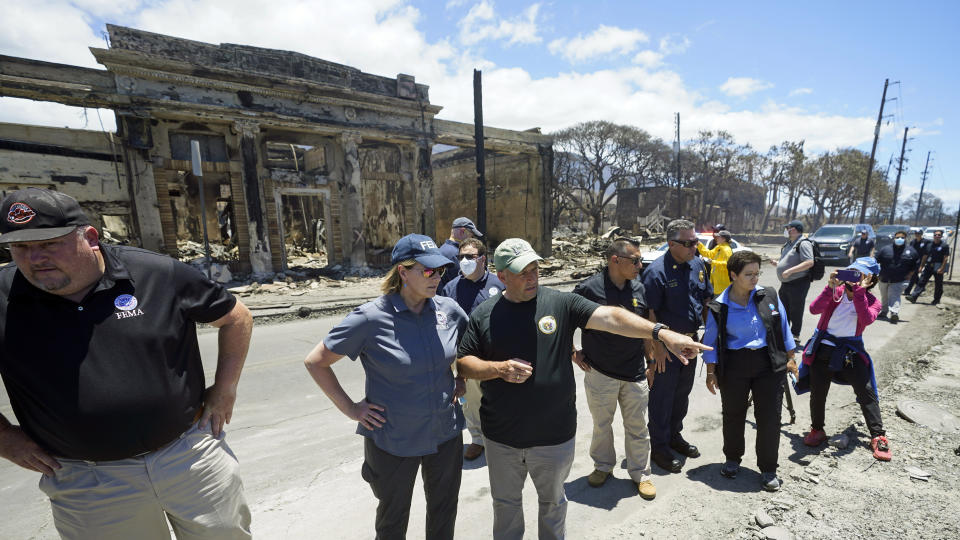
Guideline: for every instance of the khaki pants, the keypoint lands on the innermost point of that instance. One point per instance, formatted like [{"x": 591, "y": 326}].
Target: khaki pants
[
  {"x": 603, "y": 395},
  {"x": 192, "y": 481},
  {"x": 548, "y": 467},
  {"x": 471, "y": 410}
]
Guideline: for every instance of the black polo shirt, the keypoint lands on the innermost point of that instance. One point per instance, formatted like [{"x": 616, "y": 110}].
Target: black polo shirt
[
  {"x": 937, "y": 253},
  {"x": 676, "y": 292},
  {"x": 542, "y": 410},
  {"x": 896, "y": 262},
  {"x": 117, "y": 374},
  {"x": 615, "y": 356},
  {"x": 862, "y": 247}
]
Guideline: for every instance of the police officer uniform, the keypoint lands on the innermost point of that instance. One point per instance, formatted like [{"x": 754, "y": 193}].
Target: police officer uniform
[
  {"x": 676, "y": 293},
  {"x": 920, "y": 246},
  {"x": 937, "y": 259}
]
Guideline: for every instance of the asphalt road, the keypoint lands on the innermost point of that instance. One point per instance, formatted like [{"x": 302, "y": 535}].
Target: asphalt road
[{"x": 301, "y": 460}]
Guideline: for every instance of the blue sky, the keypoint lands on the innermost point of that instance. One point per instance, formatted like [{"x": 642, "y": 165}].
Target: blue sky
[{"x": 765, "y": 71}]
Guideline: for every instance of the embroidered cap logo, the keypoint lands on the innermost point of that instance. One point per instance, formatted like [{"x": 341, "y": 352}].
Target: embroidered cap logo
[
  {"x": 20, "y": 213},
  {"x": 427, "y": 244}
]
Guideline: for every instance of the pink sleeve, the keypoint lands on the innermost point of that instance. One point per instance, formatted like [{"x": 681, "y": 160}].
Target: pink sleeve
[
  {"x": 867, "y": 306},
  {"x": 820, "y": 303}
]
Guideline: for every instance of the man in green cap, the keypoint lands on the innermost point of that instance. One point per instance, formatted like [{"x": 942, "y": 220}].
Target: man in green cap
[{"x": 519, "y": 344}]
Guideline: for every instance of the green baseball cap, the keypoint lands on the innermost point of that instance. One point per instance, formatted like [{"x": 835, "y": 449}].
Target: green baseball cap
[{"x": 514, "y": 254}]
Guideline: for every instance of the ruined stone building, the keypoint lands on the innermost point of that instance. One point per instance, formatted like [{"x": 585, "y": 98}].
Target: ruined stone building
[{"x": 297, "y": 151}]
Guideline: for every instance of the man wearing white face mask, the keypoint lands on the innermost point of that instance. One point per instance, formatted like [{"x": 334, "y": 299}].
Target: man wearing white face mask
[
  {"x": 471, "y": 288},
  {"x": 897, "y": 263}
]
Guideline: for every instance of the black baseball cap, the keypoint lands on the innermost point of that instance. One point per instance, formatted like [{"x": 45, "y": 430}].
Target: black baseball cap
[
  {"x": 796, "y": 224},
  {"x": 719, "y": 227},
  {"x": 33, "y": 214}
]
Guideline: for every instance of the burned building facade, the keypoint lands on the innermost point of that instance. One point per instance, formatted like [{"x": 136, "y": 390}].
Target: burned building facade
[{"x": 296, "y": 152}]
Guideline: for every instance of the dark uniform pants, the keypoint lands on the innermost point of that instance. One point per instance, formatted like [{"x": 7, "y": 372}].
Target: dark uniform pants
[
  {"x": 793, "y": 294},
  {"x": 930, "y": 270},
  {"x": 747, "y": 371},
  {"x": 857, "y": 374},
  {"x": 392, "y": 477},
  {"x": 669, "y": 398}
]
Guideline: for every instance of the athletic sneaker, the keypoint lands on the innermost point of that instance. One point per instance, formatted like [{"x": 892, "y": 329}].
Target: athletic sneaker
[
  {"x": 881, "y": 448},
  {"x": 816, "y": 437},
  {"x": 769, "y": 481},
  {"x": 730, "y": 469}
]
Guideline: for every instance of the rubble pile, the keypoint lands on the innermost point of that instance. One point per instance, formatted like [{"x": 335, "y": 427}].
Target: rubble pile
[{"x": 188, "y": 251}]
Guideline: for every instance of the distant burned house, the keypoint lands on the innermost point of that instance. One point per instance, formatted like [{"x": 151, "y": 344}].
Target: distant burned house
[
  {"x": 739, "y": 205},
  {"x": 296, "y": 151}
]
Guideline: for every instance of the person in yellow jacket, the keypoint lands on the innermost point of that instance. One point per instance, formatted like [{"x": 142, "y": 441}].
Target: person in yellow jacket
[{"x": 718, "y": 256}]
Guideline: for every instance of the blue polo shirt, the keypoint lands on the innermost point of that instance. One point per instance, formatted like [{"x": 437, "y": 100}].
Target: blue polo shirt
[
  {"x": 469, "y": 294},
  {"x": 407, "y": 360},
  {"x": 745, "y": 329},
  {"x": 676, "y": 292}
]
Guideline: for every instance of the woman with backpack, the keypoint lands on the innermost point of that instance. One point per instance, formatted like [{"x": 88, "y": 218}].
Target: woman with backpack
[
  {"x": 752, "y": 351},
  {"x": 836, "y": 351}
]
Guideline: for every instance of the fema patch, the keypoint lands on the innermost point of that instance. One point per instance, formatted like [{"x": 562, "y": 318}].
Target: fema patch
[
  {"x": 20, "y": 213},
  {"x": 547, "y": 325},
  {"x": 125, "y": 302},
  {"x": 441, "y": 319},
  {"x": 773, "y": 309},
  {"x": 493, "y": 291}
]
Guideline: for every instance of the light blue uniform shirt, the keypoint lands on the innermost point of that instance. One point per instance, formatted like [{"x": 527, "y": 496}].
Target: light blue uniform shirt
[
  {"x": 745, "y": 329},
  {"x": 406, "y": 358}
]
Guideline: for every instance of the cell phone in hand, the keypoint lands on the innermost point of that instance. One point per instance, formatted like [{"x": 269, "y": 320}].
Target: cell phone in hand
[{"x": 852, "y": 276}]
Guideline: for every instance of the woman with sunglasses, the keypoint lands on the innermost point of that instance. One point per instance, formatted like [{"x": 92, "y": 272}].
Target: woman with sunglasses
[
  {"x": 718, "y": 256},
  {"x": 752, "y": 351},
  {"x": 410, "y": 417}
]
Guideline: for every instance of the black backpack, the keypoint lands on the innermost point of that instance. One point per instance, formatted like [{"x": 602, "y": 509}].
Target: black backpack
[{"x": 816, "y": 271}]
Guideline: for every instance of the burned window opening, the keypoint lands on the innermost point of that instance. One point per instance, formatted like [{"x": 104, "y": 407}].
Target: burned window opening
[{"x": 304, "y": 231}]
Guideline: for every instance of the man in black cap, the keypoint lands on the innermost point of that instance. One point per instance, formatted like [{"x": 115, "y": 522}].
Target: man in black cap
[
  {"x": 99, "y": 356},
  {"x": 461, "y": 229},
  {"x": 793, "y": 271}
]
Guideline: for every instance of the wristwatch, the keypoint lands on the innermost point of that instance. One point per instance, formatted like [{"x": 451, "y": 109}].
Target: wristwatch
[{"x": 656, "y": 331}]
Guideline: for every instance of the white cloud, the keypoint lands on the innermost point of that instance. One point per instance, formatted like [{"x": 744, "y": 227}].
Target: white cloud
[
  {"x": 801, "y": 92},
  {"x": 673, "y": 44},
  {"x": 386, "y": 37},
  {"x": 743, "y": 86},
  {"x": 648, "y": 59},
  {"x": 481, "y": 23},
  {"x": 605, "y": 40}
]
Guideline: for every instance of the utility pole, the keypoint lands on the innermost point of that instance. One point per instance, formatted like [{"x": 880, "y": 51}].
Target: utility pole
[
  {"x": 896, "y": 186},
  {"x": 923, "y": 182},
  {"x": 480, "y": 153},
  {"x": 873, "y": 152},
  {"x": 676, "y": 156}
]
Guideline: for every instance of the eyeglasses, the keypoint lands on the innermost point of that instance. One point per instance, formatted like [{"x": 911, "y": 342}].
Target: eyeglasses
[
  {"x": 467, "y": 256},
  {"x": 429, "y": 272},
  {"x": 686, "y": 243},
  {"x": 753, "y": 275},
  {"x": 633, "y": 260}
]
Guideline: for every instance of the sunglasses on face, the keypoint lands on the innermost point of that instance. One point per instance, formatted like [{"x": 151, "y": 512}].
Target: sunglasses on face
[
  {"x": 430, "y": 272},
  {"x": 686, "y": 243},
  {"x": 632, "y": 260},
  {"x": 467, "y": 256}
]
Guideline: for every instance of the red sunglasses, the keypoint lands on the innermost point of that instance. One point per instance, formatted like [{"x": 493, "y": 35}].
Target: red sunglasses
[{"x": 429, "y": 272}]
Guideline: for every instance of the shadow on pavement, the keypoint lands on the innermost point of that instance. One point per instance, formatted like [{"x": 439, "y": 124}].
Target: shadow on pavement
[
  {"x": 746, "y": 481},
  {"x": 606, "y": 496}
]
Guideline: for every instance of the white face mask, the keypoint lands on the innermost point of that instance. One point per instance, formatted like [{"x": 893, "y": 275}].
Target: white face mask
[
  {"x": 786, "y": 233},
  {"x": 899, "y": 241},
  {"x": 468, "y": 266}
]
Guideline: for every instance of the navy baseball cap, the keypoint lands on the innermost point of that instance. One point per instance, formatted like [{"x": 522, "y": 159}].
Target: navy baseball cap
[
  {"x": 466, "y": 224},
  {"x": 419, "y": 248},
  {"x": 33, "y": 214}
]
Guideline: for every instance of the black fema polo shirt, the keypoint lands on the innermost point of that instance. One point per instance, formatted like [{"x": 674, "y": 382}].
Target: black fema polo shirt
[
  {"x": 615, "y": 356},
  {"x": 541, "y": 411},
  {"x": 118, "y": 374}
]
